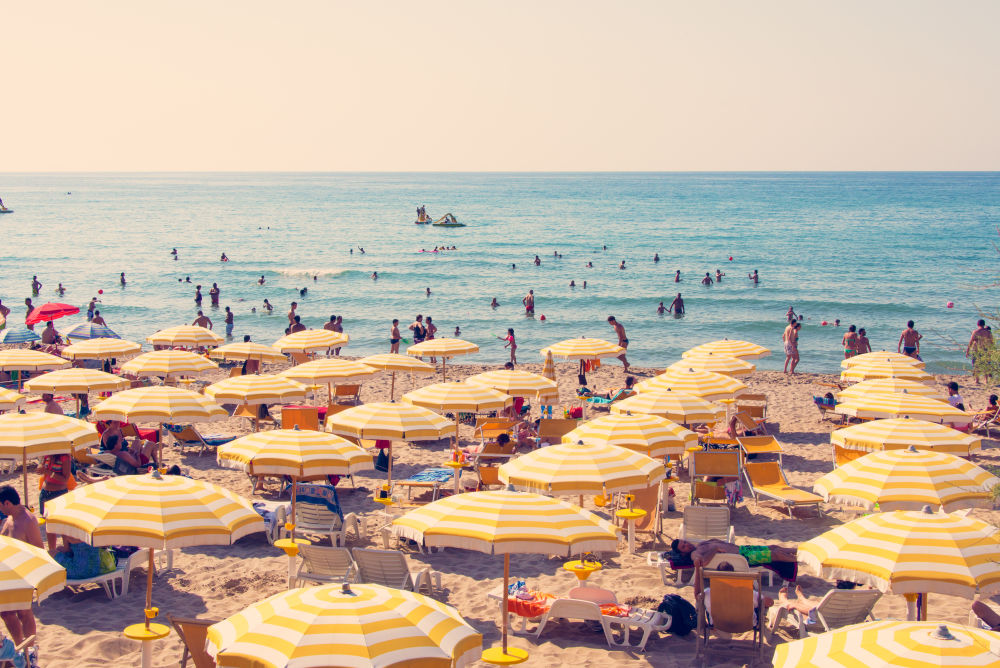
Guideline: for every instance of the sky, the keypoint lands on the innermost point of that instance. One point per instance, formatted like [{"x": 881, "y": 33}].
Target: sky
[{"x": 518, "y": 85}]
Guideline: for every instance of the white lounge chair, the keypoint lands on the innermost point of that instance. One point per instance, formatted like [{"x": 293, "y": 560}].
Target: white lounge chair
[
  {"x": 324, "y": 565},
  {"x": 645, "y": 621},
  {"x": 839, "y": 608},
  {"x": 705, "y": 523},
  {"x": 389, "y": 568},
  {"x": 315, "y": 518}
]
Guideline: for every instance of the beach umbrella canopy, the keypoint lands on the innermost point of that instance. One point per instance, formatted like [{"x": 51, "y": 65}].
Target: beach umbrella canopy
[
  {"x": 676, "y": 406},
  {"x": 332, "y": 370},
  {"x": 393, "y": 363},
  {"x": 159, "y": 403},
  {"x": 444, "y": 347},
  {"x": 517, "y": 383},
  {"x": 455, "y": 396},
  {"x": 880, "y": 357},
  {"x": 35, "y": 435},
  {"x": 577, "y": 468},
  {"x": 734, "y": 348},
  {"x": 26, "y": 572},
  {"x": 296, "y": 453},
  {"x": 357, "y": 625},
  {"x": 186, "y": 336},
  {"x": 311, "y": 341},
  {"x": 899, "y": 433},
  {"x": 89, "y": 330},
  {"x": 76, "y": 381},
  {"x": 707, "y": 385},
  {"x": 10, "y": 400},
  {"x": 12, "y": 336},
  {"x": 99, "y": 349},
  {"x": 247, "y": 350},
  {"x": 583, "y": 349},
  {"x": 892, "y": 644},
  {"x": 49, "y": 311},
  {"x": 883, "y": 385},
  {"x": 256, "y": 389},
  {"x": 727, "y": 365},
  {"x": 651, "y": 435},
  {"x": 900, "y": 404},
  {"x": 390, "y": 421},
  {"x": 883, "y": 369},
  {"x": 549, "y": 368},
  {"x": 167, "y": 363},
  {"x": 30, "y": 360},
  {"x": 910, "y": 552},
  {"x": 908, "y": 480}
]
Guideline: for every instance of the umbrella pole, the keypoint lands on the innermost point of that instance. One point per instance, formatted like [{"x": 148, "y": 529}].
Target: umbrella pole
[
  {"x": 392, "y": 387},
  {"x": 24, "y": 472},
  {"x": 444, "y": 377},
  {"x": 294, "y": 494},
  {"x": 506, "y": 595},
  {"x": 149, "y": 588},
  {"x": 389, "y": 472},
  {"x": 456, "y": 431}
]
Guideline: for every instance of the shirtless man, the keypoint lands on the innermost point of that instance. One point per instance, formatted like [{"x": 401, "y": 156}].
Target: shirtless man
[
  {"x": 51, "y": 405},
  {"x": 394, "y": 336},
  {"x": 213, "y": 294},
  {"x": 36, "y": 285},
  {"x": 49, "y": 335},
  {"x": 329, "y": 326},
  {"x": 909, "y": 341},
  {"x": 202, "y": 321},
  {"x": 267, "y": 306},
  {"x": 756, "y": 555},
  {"x": 529, "y": 303},
  {"x": 538, "y": 261},
  {"x": 297, "y": 326},
  {"x": 707, "y": 280},
  {"x": 850, "y": 342},
  {"x": 98, "y": 320},
  {"x": 260, "y": 281},
  {"x": 5, "y": 311},
  {"x": 230, "y": 322},
  {"x": 677, "y": 276},
  {"x": 622, "y": 339},
  {"x": 718, "y": 276},
  {"x": 790, "y": 339},
  {"x": 494, "y": 304},
  {"x": 22, "y": 525},
  {"x": 29, "y": 308},
  {"x": 981, "y": 340},
  {"x": 754, "y": 277},
  {"x": 790, "y": 316},
  {"x": 291, "y": 314},
  {"x": 677, "y": 306}
]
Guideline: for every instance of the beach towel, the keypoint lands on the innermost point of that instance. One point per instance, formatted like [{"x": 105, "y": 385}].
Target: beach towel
[
  {"x": 324, "y": 495},
  {"x": 432, "y": 475}
]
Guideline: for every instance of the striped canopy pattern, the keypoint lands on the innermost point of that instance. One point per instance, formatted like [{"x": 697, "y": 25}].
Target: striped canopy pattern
[
  {"x": 908, "y": 480},
  {"x": 900, "y": 404},
  {"x": 871, "y": 370},
  {"x": 247, "y": 350},
  {"x": 708, "y": 385},
  {"x": 883, "y": 385},
  {"x": 294, "y": 452},
  {"x": 26, "y": 571},
  {"x": 167, "y": 363},
  {"x": 311, "y": 341},
  {"x": 517, "y": 383},
  {"x": 30, "y": 360},
  {"x": 395, "y": 362},
  {"x": 458, "y": 397},
  {"x": 14, "y": 336},
  {"x": 36, "y": 434},
  {"x": 76, "y": 381},
  {"x": 734, "y": 348},
  {"x": 576, "y": 468},
  {"x": 88, "y": 330},
  {"x": 186, "y": 336},
  {"x": 256, "y": 389},
  {"x": 880, "y": 357},
  {"x": 445, "y": 347},
  {"x": 893, "y": 644},
  {"x": 330, "y": 371},
  {"x": 909, "y": 552},
  {"x": 153, "y": 511},
  {"x": 99, "y": 349},
  {"x": 583, "y": 349},
  {"x": 896, "y": 433},
  {"x": 651, "y": 435},
  {"x": 361, "y": 626},
  {"x": 10, "y": 400},
  {"x": 675, "y": 406},
  {"x": 716, "y": 363},
  {"x": 504, "y": 522},
  {"x": 389, "y": 420},
  {"x": 160, "y": 403}
]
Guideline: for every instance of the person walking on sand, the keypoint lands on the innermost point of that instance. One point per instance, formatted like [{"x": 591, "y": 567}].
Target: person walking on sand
[
  {"x": 790, "y": 338},
  {"x": 214, "y": 293},
  {"x": 850, "y": 342},
  {"x": 21, "y": 525},
  {"x": 529, "y": 303},
  {"x": 394, "y": 336},
  {"x": 202, "y": 321},
  {"x": 980, "y": 341},
  {"x": 622, "y": 339},
  {"x": 677, "y": 306},
  {"x": 909, "y": 341},
  {"x": 511, "y": 343},
  {"x": 230, "y": 322}
]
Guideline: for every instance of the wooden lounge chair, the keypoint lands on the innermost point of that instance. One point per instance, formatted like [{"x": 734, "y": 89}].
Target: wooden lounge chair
[
  {"x": 489, "y": 476},
  {"x": 766, "y": 479},
  {"x": 389, "y": 568},
  {"x": 488, "y": 429},
  {"x": 713, "y": 464},
  {"x": 760, "y": 445},
  {"x": 551, "y": 430},
  {"x": 736, "y": 607},
  {"x": 255, "y": 415},
  {"x": 649, "y": 499},
  {"x": 749, "y": 425},
  {"x": 193, "y": 633},
  {"x": 347, "y": 395},
  {"x": 754, "y": 404},
  {"x": 702, "y": 523},
  {"x": 324, "y": 565},
  {"x": 236, "y": 371},
  {"x": 839, "y": 608}
]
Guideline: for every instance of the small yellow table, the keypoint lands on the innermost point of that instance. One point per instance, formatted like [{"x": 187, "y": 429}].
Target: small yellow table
[
  {"x": 146, "y": 636},
  {"x": 456, "y": 468},
  {"x": 496, "y": 656},
  {"x": 630, "y": 516},
  {"x": 582, "y": 569},
  {"x": 291, "y": 548}
]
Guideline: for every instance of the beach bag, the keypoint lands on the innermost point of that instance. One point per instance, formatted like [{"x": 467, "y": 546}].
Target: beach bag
[
  {"x": 108, "y": 561},
  {"x": 581, "y": 378},
  {"x": 683, "y": 616},
  {"x": 382, "y": 461}
]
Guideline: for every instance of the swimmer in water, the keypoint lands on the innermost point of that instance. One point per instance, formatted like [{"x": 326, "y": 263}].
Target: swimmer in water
[
  {"x": 361, "y": 249},
  {"x": 260, "y": 281},
  {"x": 538, "y": 261},
  {"x": 707, "y": 280},
  {"x": 718, "y": 276},
  {"x": 223, "y": 258},
  {"x": 677, "y": 306},
  {"x": 458, "y": 332},
  {"x": 267, "y": 306},
  {"x": 621, "y": 265},
  {"x": 677, "y": 276},
  {"x": 656, "y": 257},
  {"x": 494, "y": 304},
  {"x": 590, "y": 265},
  {"x": 585, "y": 285},
  {"x": 572, "y": 284},
  {"x": 374, "y": 275},
  {"x": 661, "y": 309},
  {"x": 428, "y": 292},
  {"x": 754, "y": 277},
  {"x": 61, "y": 290}
]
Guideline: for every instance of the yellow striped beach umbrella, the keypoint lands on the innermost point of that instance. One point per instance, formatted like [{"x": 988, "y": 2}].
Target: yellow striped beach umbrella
[
  {"x": 458, "y": 397},
  {"x": 76, "y": 381},
  {"x": 445, "y": 348},
  {"x": 100, "y": 349},
  {"x": 35, "y": 435},
  {"x": 357, "y": 625},
  {"x": 727, "y": 365},
  {"x": 900, "y": 404},
  {"x": 159, "y": 403},
  {"x": 332, "y": 370},
  {"x": 882, "y": 385},
  {"x": 27, "y": 573},
  {"x": 892, "y": 644},
  {"x": 247, "y": 350},
  {"x": 908, "y": 480},
  {"x": 296, "y": 453},
  {"x": 167, "y": 363},
  {"x": 675, "y": 406},
  {"x": 393, "y": 363},
  {"x": 29, "y": 360},
  {"x": 311, "y": 341},
  {"x": 583, "y": 349},
  {"x": 186, "y": 336},
  {"x": 734, "y": 348},
  {"x": 880, "y": 357},
  {"x": 900, "y": 433},
  {"x": 910, "y": 552},
  {"x": 549, "y": 368},
  {"x": 571, "y": 469},
  {"x": 517, "y": 383},
  {"x": 507, "y": 522},
  {"x": 651, "y": 435},
  {"x": 10, "y": 400},
  {"x": 705, "y": 384},
  {"x": 256, "y": 389},
  {"x": 871, "y": 370}
]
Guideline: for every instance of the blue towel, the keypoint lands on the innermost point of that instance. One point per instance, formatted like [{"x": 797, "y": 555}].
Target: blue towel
[
  {"x": 432, "y": 475},
  {"x": 322, "y": 495}
]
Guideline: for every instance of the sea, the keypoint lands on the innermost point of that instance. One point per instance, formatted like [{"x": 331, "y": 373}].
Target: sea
[{"x": 869, "y": 249}]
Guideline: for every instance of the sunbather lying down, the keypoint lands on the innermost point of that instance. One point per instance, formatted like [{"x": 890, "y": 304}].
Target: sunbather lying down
[{"x": 756, "y": 555}]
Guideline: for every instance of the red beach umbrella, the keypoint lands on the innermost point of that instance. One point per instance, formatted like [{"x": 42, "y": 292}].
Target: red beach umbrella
[{"x": 49, "y": 311}]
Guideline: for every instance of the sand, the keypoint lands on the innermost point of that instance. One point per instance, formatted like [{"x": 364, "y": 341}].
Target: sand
[{"x": 84, "y": 629}]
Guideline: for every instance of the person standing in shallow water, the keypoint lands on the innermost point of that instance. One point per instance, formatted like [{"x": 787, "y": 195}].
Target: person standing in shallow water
[
  {"x": 622, "y": 339},
  {"x": 790, "y": 339}
]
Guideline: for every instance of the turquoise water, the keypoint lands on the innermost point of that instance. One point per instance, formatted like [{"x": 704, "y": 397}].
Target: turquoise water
[{"x": 871, "y": 249}]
